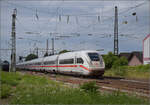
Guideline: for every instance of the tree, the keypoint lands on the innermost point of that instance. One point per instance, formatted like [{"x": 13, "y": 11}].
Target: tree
[
  {"x": 123, "y": 61},
  {"x": 109, "y": 59},
  {"x": 46, "y": 54},
  {"x": 114, "y": 61},
  {"x": 63, "y": 51},
  {"x": 120, "y": 62},
  {"x": 30, "y": 57}
]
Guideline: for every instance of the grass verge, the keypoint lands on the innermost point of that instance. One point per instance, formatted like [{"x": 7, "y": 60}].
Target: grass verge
[
  {"x": 137, "y": 72},
  {"x": 32, "y": 89}
]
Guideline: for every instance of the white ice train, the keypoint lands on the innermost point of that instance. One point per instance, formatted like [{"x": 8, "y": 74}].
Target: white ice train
[{"x": 88, "y": 62}]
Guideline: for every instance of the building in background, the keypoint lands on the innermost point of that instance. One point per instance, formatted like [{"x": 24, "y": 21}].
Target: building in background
[
  {"x": 146, "y": 50},
  {"x": 134, "y": 58},
  {"x": 0, "y": 63}
]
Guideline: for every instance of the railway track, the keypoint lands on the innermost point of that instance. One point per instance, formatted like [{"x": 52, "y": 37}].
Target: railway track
[{"x": 141, "y": 88}]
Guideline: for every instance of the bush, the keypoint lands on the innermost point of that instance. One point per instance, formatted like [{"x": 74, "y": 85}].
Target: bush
[
  {"x": 5, "y": 90},
  {"x": 109, "y": 59},
  {"x": 89, "y": 87},
  {"x": 143, "y": 68},
  {"x": 114, "y": 61},
  {"x": 123, "y": 61},
  {"x": 120, "y": 62}
]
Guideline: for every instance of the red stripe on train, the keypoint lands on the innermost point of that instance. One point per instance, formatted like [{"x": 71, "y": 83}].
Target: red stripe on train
[
  {"x": 65, "y": 66},
  {"x": 84, "y": 67}
]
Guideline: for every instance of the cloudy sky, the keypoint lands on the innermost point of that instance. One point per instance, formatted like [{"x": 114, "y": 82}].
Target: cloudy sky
[{"x": 74, "y": 24}]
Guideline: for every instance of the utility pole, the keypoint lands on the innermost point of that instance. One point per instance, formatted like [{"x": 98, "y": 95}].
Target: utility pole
[
  {"x": 0, "y": 55},
  {"x": 13, "y": 35},
  {"x": 52, "y": 46},
  {"x": 37, "y": 52},
  {"x": 116, "y": 32},
  {"x": 47, "y": 46},
  {"x": 30, "y": 51}
]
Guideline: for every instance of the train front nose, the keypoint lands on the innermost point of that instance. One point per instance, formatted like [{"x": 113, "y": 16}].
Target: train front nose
[
  {"x": 96, "y": 64},
  {"x": 97, "y": 71},
  {"x": 97, "y": 68}
]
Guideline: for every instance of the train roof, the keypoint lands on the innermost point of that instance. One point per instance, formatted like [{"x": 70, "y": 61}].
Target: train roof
[
  {"x": 34, "y": 60},
  {"x": 82, "y": 51},
  {"x": 76, "y": 53},
  {"x": 67, "y": 54},
  {"x": 54, "y": 57}
]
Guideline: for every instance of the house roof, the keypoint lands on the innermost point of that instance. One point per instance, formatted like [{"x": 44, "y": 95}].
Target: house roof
[
  {"x": 138, "y": 54},
  {"x": 129, "y": 56},
  {"x": 146, "y": 37}
]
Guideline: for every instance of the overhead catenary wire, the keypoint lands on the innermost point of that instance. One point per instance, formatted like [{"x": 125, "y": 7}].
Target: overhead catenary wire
[
  {"x": 133, "y": 25},
  {"x": 54, "y": 13},
  {"x": 37, "y": 15},
  {"x": 107, "y": 18},
  {"x": 110, "y": 17},
  {"x": 79, "y": 17}
]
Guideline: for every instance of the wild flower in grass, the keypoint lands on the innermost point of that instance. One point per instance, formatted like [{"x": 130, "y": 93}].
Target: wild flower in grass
[
  {"x": 18, "y": 97},
  {"x": 53, "y": 92},
  {"x": 28, "y": 95}
]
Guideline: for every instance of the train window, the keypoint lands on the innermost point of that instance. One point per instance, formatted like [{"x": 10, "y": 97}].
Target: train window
[
  {"x": 94, "y": 56},
  {"x": 80, "y": 60},
  {"x": 44, "y": 63},
  {"x": 66, "y": 61},
  {"x": 38, "y": 63},
  {"x": 49, "y": 62}
]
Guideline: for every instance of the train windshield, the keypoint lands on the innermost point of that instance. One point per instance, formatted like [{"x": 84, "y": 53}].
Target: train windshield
[{"x": 94, "y": 56}]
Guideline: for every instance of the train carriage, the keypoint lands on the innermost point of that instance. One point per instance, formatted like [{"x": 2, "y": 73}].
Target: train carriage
[
  {"x": 78, "y": 63},
  {"x": 50, "y": 63}
]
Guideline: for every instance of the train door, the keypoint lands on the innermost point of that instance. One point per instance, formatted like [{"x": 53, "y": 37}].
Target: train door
[
  {"x": 75, "y": 69},
  {"x": 57, "y": 68},
  {"x": 79, "y": 61},
  {"x": 42, "y": 64}
]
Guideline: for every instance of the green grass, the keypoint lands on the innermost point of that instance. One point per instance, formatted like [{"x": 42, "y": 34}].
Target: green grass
[
  {"x": 90, "y": 87},
  {"x": 5, "y": 91},
  {"x": 40, "y": 90},
  {"x": 10, "y": 78},
  {"x": 137, "y": 72}
]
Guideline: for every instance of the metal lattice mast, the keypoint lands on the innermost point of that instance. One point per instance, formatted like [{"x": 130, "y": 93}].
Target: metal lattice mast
[
  {"x": 47, "y": 46},
  {"x": 13, "y": 35},
  {"x": 116, "y": 49},
  {"x": 37, "y": 52},
  {"x": 52, "y": 46}
]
